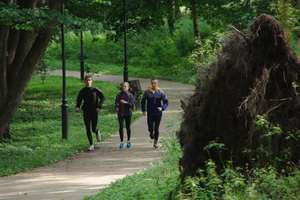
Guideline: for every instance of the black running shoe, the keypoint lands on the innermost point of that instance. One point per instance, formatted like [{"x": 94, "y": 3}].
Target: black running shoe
[{"x": 151, "y": 136}]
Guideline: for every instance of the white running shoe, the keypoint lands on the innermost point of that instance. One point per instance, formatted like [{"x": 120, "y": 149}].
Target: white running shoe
[
  {"x": 91, "y": 148},
  {"x": 98, "y": 136}
]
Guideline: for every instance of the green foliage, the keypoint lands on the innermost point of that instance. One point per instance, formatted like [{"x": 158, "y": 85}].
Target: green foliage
[
  {"x": 287, "y": 12},
  {"x": 158, "y": 51},
  {"x": 139, "y": 15},
  {"x": 20, "y": 18},
  {"x": 271, "y": 152},
  {"x": 184, "y": 36},
  {"x": 238, "y": 13},
  {"x": 43, "y": 70},
  {"x": 32, "y": 144},
  {"x": 234, "y": 184},
  {"x": 12, "y": 15},
  {"x": 205, "y": 55},
  {"x": 149, "y": 52}
]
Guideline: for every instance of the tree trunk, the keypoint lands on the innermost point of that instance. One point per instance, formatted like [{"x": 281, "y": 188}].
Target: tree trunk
[
  {"x": 195, "y": 21},
  {"x": 171, "y": 15},
  {"x": 18, "y": 61},
  {"x": 3, "y": 78}
]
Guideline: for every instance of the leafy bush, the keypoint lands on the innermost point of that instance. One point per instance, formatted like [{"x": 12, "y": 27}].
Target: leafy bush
[{"x": 233, "y": 184}]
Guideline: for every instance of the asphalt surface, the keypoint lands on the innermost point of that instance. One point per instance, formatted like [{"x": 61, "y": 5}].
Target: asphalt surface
[{"x": 86, "y": 173}]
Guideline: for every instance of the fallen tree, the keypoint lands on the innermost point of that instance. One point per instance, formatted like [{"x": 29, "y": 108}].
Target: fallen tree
[{"x": 256, "y": 74}]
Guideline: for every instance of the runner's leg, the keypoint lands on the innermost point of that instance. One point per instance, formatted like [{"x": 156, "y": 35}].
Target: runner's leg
[
  {"x": 128, "y": 129},
  {"x": 157, "y": 120},
  {"x": 87, "y": 119},
  {"x": 121, "y": 132}
]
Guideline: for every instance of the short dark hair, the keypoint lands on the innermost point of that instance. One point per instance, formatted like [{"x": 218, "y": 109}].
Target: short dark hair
[
  {"x": 154, "y": 78},
  {"x": 88, "y": 76}
]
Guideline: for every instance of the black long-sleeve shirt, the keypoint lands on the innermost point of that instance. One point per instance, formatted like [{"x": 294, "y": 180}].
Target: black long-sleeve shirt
[
  {"x": 90, "y": 96},
  {"x": 124, "y": 109}
]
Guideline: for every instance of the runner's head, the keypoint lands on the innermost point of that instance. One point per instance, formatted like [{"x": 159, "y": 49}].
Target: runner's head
[
  {"x": 88, "y": 81},
  {"x": 154, "y": 83},
  {"x": 125, "y": 87}
]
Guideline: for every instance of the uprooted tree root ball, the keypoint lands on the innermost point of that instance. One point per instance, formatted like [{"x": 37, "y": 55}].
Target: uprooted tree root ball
[{"x": 252, "y": 76}]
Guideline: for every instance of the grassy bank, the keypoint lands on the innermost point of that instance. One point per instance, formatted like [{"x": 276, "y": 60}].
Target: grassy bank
[{"x": 36, "y": 136}]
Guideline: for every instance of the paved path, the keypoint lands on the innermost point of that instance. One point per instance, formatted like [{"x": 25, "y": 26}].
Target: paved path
[{"x": 85, "y": 173}]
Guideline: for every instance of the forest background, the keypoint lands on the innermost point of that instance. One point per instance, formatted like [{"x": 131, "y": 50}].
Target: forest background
[{"x": 168, "y": 45}]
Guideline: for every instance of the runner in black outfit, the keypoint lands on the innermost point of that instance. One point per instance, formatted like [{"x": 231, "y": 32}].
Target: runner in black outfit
[
  {"x": 124, "y": 103},
  {"x": 90, "y": 94}
]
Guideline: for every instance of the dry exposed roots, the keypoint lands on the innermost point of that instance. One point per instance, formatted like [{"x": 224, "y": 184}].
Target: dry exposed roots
[{"x": 252, "y": 76}]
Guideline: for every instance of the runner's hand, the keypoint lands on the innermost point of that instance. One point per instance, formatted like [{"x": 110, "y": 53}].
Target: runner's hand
[{"x": 123, "y": 101}]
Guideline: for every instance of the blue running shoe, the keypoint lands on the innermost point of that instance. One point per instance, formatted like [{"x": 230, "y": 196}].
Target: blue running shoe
[
  {"x": 128, "y": 144},
  {"x": 122, "y": 145}
]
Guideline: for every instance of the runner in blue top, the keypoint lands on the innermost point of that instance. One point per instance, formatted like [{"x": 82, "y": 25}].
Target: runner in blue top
[{"x": 156, "y": 103}]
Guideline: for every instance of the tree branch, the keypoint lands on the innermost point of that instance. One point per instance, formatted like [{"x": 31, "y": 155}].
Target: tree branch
[{"x": 239, "y": 32}]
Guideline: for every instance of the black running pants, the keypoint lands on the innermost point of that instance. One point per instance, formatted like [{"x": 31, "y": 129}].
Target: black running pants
[
  {"x": 128, "y": 129},
  {"x": 88, "y": 117},
  {"x": 153, "y": 122}
]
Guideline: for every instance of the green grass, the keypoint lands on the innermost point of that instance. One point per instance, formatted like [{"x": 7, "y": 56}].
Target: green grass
[{"x": 36, "y": 135}]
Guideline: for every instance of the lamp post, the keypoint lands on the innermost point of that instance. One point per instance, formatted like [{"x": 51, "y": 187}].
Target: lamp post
[
  {"x": 64, "y": 107},
  {"x": 125, "y": 46},
  {"x": 81, "y": 57}
]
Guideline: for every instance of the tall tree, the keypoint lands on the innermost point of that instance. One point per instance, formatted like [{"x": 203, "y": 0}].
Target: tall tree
[
  {"x": 20, "y": 53},
  {"x": 26, "y": 28},
  {"x": 195, "y": 19}
]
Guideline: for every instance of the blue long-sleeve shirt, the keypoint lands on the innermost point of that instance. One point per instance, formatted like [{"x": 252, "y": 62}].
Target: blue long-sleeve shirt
[{"x": 154, "y": 100}]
